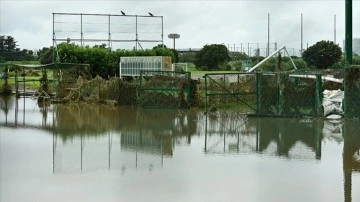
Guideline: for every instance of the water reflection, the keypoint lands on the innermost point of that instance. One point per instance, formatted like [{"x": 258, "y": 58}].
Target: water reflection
[
  {"x": 88, "y": 138},
  {"x": 6, "y": 103},
  {"x": 290, "y": 138},
  {"x": 351, "y": 155}
]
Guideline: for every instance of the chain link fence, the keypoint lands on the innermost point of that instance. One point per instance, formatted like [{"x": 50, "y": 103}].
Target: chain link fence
[
  {"x": 265, "y": 94},
  {"x": 164, "y": 89},
  {"x": 236, "y": 91},
  {"x": 352, "y": 91}
]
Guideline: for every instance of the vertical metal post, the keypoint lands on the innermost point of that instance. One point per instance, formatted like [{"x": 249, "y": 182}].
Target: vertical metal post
[
  {"x": 258, "y": 92},
  {"x": 109, "y": 145},
  {"x": 162, "y": 32},
  {"x": 301, "y": 46},
  {"x": 53, "y": 39},
  {"x": 188, "y": 75},
  {"x": 348, "y": 31},
  {"x": 206, "y": 96},
  {"x": 109, "y": 37},
  {"x": 81, "y": 151},
  {"x": 318, "y": 97},
  {"x": 16, "y": 83},
  {"x": 53, "y": 150},
  {"x": 268, "y": 41},
  {"x": 334, "y": 29},
  {"x": 173, "y": 43},
  {"x": 81, "y": 30},
  {"x": 24, "y": 82},
  {"x": 248, "y": 49},
  {"x": 136, "y": 30},
  {"x": 206, "y": 128}
]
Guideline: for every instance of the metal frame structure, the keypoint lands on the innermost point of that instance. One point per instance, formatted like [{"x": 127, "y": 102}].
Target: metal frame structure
[{"x": 108, "y": 22}]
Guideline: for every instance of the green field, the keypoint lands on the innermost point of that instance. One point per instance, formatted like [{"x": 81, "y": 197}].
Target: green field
[{"x": 32, "y": 82}]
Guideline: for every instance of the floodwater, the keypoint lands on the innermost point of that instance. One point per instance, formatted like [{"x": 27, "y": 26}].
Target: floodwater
[{"x": 71, "y": 152}]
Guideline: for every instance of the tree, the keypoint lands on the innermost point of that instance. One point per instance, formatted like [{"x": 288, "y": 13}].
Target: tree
[
  {"x": 45, "y": 55},
  {"x": 7, "y": 47},
  {"x": 322, "y": 55},
  {"x": 174, "y": 56},
  {"x": 10, "y": 52},
  {"x": 210, "y": 57}
]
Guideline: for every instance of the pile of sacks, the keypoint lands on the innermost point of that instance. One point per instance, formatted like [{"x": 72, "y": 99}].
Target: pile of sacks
[{"x": 332, "y": 103}]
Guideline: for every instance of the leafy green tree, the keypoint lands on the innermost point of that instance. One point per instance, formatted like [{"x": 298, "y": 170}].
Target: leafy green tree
[
  {"x": 356, "y": 60},
  {"x": 211, "y": 57},
  {"x": 322, "y": 55},
  {"x": 45, "y": 55},
  {"x": 237, "y": 65},
  {"x": 299, "y": 63},
  {"x": 10, "y": 52}
]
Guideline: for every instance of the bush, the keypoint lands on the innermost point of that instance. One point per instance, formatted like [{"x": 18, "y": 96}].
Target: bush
[
  {"x": 237, "y": 65},
  {"x": 102, "y": 62}
]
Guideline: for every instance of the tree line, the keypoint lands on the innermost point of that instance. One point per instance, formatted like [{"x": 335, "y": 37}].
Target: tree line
[
  {"x": 9, "y": 50},
  {"x": 103, "y": 62},
  {"x": 322, "y": 55}
]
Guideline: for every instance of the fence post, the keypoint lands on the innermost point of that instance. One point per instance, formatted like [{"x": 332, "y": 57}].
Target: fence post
[
  {"x": 206, "y": 94},
  {"x": 188, "y": 75},
  {"x": 259, "y": 80},
  {"x": 318, "y": 96}
]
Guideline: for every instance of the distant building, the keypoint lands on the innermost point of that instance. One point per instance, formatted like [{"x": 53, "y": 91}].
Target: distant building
[{"x": 355, "y": 45}]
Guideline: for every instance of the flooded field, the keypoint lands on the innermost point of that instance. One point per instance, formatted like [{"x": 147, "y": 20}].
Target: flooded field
[{"x": 72, "y": 152}]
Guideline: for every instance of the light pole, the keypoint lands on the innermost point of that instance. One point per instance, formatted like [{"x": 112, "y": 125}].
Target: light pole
[{"x": 174, "y": 36}]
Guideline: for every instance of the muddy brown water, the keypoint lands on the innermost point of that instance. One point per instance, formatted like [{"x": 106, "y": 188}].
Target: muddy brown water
[{"x": 84, "y": 152}]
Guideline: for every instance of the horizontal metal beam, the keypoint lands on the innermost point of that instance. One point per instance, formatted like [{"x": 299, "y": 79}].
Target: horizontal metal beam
[
  {"x": 112, "y": 40},
  {"x": 115, "y": 15}
]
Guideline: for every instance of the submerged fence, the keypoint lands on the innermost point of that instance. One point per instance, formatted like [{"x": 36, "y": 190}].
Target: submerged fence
[
  {"x": 352, "y": 92},
  {"x": 273, "y": 94},
  {"x": 54, "y": 77},
  {"x": 164, "y": 89}
]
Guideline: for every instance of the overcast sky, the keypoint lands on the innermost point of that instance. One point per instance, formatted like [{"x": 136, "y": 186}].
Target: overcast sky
[{"x": 199, "y": 23}]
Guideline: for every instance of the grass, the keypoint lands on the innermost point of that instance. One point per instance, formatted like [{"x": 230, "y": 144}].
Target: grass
[
  {"x": 36, "y": 84},
  {"x": 28, "y": 84},
  {"x": 21, "y": 62}
]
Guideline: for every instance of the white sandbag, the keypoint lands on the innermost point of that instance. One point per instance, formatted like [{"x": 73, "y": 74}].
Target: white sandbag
[{"x": 329, "y": 107}]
